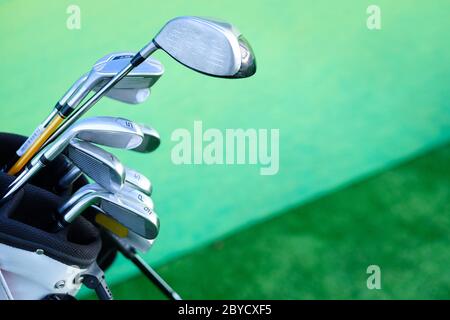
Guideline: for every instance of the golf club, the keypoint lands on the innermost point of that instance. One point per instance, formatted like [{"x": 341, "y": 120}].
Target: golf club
[
  {"x": 125, "y": 95},
  {"x": 137, "y": 217},
  {"x": 92, "y": 160},
  {"x": 138, "y": 181},
  {"x": 151, "y": 141},
  {"x": 127, "y": 246},
  {"x": 101, "y": 166},
  {"x": 132, "y": 178},
  {"x": 126, "y": 191},
  {"x": 211, "y": 47},
  {"x": 139, "y": 80},
  {"x": 107, "y": 131}
]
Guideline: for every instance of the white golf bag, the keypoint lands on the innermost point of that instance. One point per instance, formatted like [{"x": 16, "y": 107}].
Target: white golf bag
[{"x": 36, "y": 261}]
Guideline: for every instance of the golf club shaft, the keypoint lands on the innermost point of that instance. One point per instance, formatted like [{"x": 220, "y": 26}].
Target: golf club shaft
[
  {"x": 39, "y": 130},
  {"x": 20, "y": 182},
  {"x": 54, "y": 129},
  {"x": 88, "y": 104},
  {"x": 155, "y": 278},
  {"x": 151, "y": 274},
  {"x": 36, "y": 146}
]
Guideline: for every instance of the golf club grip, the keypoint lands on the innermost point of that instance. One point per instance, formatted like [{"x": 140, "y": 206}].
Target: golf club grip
[{"x": 35, "y": 147}]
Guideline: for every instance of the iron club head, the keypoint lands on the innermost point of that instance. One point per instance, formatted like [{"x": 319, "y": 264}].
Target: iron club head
[
  {"x": 151, "y": 140},
  {"x": 140, "y": 79},
  {"x": 138, "y": 217},
  {"x": 101, "y": 166},
  {"x": 108, "y": 131}
]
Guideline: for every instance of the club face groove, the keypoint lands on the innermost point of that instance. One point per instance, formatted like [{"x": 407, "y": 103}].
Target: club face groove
[
  {"x": 101, "y": 166},
  {"x": 138, "y": 218}
]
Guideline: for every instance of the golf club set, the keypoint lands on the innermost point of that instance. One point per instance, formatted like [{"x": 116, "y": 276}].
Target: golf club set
[{"x": 58, "y": 228}]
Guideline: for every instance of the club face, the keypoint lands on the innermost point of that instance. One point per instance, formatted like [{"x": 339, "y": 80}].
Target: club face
[
  {"x": 135, "y": 216},
  {"x": 109, "y": 131},
  {"x": 103, "y": 167},
  {"x": 151, "y": 140},
  {"x": 208, "y": 46}
]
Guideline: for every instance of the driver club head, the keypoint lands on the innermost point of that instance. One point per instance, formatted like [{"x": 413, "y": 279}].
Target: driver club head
[{"x": 209, "y": 46}]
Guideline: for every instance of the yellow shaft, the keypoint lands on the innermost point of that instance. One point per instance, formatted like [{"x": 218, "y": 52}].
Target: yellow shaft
[{"x": 37, "y": 144}]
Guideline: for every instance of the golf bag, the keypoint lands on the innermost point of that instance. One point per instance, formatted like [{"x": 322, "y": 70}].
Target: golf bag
[{"x": 35, "y": 262}]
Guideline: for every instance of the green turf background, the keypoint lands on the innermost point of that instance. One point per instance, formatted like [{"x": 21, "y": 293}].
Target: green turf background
[
  {"x": 347, "y": 100},
  {"x": 398, "y": 219}
]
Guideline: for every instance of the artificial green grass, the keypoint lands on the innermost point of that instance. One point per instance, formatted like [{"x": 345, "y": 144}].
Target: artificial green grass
[{"x": 398, "y": 219}]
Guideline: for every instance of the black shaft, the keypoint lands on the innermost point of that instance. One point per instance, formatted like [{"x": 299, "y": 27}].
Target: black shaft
[{"x": 155, "y": 278}]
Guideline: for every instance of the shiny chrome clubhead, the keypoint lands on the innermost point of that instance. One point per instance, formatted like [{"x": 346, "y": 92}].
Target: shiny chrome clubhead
[
  {"x": 127, "y": 191},
  {"x": 139, "y": 80},
  {"x": 138, "y": 181},
  {"x": 128, "y": 96},
  {"x": 132, "y": 178},
  {"x": 136, "y": 216},
  {"x": 96, "y": 163},
  {"x": 151, "y": 140},
  {"x": 125, "y": 95},
  {"x": 208, "y": 46},
  {"x": 101, "y": 166},
  {"x": 107, "y": 131},
  {"x": 143, "y": 76}
]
